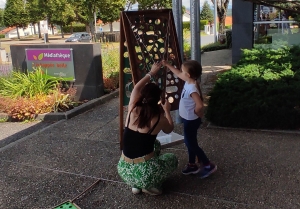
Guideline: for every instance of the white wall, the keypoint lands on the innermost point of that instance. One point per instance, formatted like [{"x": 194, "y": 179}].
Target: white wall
[
  {"x": 26, "y": 32},
  {"x": 116, "y": 27}
]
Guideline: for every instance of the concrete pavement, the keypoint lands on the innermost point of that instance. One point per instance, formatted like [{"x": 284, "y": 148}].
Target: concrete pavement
[{"x": 256, "y": 168}]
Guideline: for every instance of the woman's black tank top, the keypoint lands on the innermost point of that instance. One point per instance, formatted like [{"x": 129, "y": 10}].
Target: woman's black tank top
[{"x": 136, "y": 144}]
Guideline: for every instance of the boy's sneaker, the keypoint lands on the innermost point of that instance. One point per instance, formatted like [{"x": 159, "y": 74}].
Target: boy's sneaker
[
  {"x": 136, "y": 190},
  {"x": 152, "y": 191},
  {"x": 190, "y": 169},
  {"x": 206, "y": 172}
]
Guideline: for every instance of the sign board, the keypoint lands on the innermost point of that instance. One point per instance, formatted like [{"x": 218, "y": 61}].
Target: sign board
[
  {"x": 55, "y": 62},
  {"x": 44, "y": 26}
]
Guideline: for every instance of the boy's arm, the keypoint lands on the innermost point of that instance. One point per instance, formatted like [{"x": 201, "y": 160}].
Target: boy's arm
[
  {"x": 176, "y": 71},
  {"x": 199, "y": 109}
]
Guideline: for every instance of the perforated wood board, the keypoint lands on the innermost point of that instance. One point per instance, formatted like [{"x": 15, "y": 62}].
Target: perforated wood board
[{"x": 147, "y": 37}]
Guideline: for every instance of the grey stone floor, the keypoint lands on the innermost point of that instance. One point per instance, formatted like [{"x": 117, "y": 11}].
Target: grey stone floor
[
  {"x": 256, "y": 169},
  {"x": 43, "y": 165}
]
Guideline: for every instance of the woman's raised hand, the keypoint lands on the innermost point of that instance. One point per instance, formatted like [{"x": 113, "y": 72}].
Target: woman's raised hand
[
  {"x": 155, "y": 68},
  {"x": 165, "y": 63},
  {"x": 166, "y": 106}
]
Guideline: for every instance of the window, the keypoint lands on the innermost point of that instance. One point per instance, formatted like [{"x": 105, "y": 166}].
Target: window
[{"x": 273, "y": 27}]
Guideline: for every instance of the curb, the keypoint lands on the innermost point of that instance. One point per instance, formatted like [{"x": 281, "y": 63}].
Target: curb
[
  {"x": 212, "y": 126},
  {"x": 57, "y": 116}
]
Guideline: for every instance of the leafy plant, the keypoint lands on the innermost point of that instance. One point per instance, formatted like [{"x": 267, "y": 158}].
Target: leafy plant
[
  {"x": 24, "y": 108},
  {"x": 261, "y": 91},
  {"x": 214, "y": 47},
  {"x": 63, "y": 100},
  {"x": 27, "y": 85},
  {"x": 111, "y": 66}
]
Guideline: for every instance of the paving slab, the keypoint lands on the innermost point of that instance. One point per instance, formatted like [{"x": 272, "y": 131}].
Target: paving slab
[
  {"x": 256, "y": 168},
  {"x": 24, "y": 186}
]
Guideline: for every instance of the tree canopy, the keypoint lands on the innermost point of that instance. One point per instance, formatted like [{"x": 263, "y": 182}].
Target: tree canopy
[
  {"x": 151, "y": 4},
  {"x": 15, "y": 13},
  {"x": 206, "y": 13}
]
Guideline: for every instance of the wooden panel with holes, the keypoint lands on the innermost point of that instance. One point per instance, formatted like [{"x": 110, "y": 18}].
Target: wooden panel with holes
[{"x": 148, "y": 37}]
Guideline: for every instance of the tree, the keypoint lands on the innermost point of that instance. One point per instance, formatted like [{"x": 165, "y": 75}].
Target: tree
[
  {"x": 206, "y": 13},
  {"x": 1, "y": 17},
  {"x": 15, "y": 14},
  {"x": 152, "y": 4},
  {"x": 222, "y": 7},
  {"x": 110, "y": 11},
  {"x": 129, "y": 3},
  {"x": 34, "y": 13},
  {"x": 62, "y": 13},
  {"x": 84, "y": 11}
]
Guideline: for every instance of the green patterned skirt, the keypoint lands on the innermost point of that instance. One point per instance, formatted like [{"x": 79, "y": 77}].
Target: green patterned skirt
[{"x": 151, "y": 173}]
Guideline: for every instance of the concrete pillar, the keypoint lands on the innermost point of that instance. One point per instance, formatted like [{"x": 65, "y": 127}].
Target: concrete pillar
[
  {"x": 242, "y": 28},
  {"x": 215, "y": 21},
  {"x": 195, "y": 30},
  {"x": 177, "y": 13}
]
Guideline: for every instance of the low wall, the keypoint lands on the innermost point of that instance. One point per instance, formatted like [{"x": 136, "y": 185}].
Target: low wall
[{"x": 87, "y": 66}]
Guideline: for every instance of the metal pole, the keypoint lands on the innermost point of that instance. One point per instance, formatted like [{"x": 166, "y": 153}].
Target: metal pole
[
  {"x": 177, "y": 13},
  {"x": 215, "y": 21},
  {"x": 95, "y": 31},
  {"x": 195, "y": 30}
]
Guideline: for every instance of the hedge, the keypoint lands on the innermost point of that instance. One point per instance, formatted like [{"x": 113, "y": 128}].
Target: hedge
[
  {"x": 261, "y": 91},
  {"x": 186, "y": 25},
  {"x": 213, "y": 47},
  {"x": 76, "y": 28}
]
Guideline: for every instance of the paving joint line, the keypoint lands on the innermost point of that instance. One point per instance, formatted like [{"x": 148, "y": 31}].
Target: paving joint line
[
  {"x": 119, "y": 182},
  {"x": 102, "y": 126},
  {"x": 30, "y": 135}
]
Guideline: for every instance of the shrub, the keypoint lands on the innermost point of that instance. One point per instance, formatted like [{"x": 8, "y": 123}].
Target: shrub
[
  {"x": 24, "y": 96},
  {"x": 75, "y": 28},
  {"x": 111, "y": 66},
  {"x": 27, "y": 84},
  {"x": 213, "y": 47},
  {"x": 260, "y": 95},
  {"x": 2, "y": 35},
  {"x": 186, "y": 25},
  {"x": 27, "y": 108}
]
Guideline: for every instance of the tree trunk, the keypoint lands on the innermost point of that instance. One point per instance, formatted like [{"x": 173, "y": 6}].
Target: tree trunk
[
  {"x": 92, "y": 28},
  {"x": 39, "y": 30},
  {"x": 62, "y": 32},
  {"x": 222, "y": 6},
  {"x": 52, "y": 28},
  {"x": 34, "y": 30},
  {"x": 222, "y": 24},
  {"x": 111, "y": 27},
  {"x": 87, "y": 28},
  {"x": 18, "y": 34}
]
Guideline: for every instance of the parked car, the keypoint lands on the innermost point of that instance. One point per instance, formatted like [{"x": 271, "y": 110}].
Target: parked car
[{"x": 79, "y": 37}]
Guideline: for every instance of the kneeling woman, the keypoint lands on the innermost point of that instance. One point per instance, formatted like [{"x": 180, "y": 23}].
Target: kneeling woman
[{"x": 140, "y": 165}]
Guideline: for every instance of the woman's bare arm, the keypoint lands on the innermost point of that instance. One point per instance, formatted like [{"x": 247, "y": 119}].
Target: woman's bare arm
[{"x": 135, "y": 94}]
